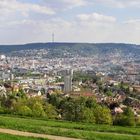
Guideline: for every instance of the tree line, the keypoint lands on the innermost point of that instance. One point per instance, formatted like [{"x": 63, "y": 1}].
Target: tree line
[{"x": 79, "y": 109}]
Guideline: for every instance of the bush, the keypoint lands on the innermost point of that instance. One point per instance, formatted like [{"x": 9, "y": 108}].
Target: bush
[
  {"x": 102, "y": 115},
  {"x": 125, "y": 119},
  {"x": 50, "y": 111},
  {"x": 138, "y": 121},
  {"x": 38, "y": 110},
  {"x": 88, "y": 116},
  {"x": 2, "y": 110},
  {"x": 24, "y": 111}
]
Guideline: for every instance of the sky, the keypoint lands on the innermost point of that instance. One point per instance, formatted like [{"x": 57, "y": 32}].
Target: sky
[{"x": 92, "y": 21}]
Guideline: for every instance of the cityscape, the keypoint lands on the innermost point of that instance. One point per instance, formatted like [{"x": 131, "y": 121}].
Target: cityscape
[
  {"x": 39, "y": 76},
  {"x": 64, "y": 75}
]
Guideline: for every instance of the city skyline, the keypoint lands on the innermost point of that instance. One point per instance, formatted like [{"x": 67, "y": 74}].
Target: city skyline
[{"x": 28, "y": 21}]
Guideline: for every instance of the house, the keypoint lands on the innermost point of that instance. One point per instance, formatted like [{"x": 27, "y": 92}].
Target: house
[
  {"x": 2, "y": 91},
  {"x": 117, "y": 110},
  {"x": 15, "y": 88},
  {"x": 112, "y": 82},
  {"x": 34, "y": 93},
  {"x": 76, "y": 89},
  {"x": 88, "y": 94},
  {"x": 137, "y": 88}
]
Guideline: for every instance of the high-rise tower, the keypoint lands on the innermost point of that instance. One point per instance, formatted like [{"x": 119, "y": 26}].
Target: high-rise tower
[{"x": 68, "y": 81}]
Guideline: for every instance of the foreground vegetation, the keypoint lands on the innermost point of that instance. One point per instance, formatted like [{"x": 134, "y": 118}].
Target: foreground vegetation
[
  {"x": 80, "y": 109},
  {"x": 71, "y": 129},
  {"x": 12, "y": 137}
]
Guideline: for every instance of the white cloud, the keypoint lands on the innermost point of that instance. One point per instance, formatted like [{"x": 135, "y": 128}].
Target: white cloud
[
  {"x": 75, "y": 2},
  {"x": 77, "y": 31},
  {"x": 119, "y": 3},
  {"x": 18, "y": 26},
  {"x": 13, "y": 6},
  {"x": 66, "y": 4},
  {"x": 96, "y": 17},
  {"x": 133, "y": 21}
]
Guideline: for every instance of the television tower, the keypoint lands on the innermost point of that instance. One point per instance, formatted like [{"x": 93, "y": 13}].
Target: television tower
[{"x": 52, "y": 37}]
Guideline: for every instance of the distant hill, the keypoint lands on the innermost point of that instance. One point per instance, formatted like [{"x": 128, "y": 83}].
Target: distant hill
[{"x": 72, "y": 49}]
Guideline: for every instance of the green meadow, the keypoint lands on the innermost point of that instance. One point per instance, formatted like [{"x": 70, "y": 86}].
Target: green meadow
[
  {"x": 12, "y": 137},
  {"x": 70, "y": 129}
]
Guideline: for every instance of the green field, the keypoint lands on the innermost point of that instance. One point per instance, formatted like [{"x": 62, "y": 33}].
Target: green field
[
  {"x": 71, "y": 129},
  {"x": 12, "y": 137}
]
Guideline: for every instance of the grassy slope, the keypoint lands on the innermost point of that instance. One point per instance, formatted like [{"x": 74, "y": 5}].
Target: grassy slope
[
  {"x": 71, "y": 129},
  {"x": 12, "y": 137}
]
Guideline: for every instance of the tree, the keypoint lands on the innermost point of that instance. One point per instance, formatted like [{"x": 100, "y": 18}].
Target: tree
[
  {"x": 32, "y": 101},
  {"x": 73, "y": 109},
  {"x": 88, "y": 115},
  {"x": 38, "y": 110},
  {"x": 102, "y": 115},
  {"x": 43, "y": 91},
  {"x": 50, "y": 111},
  {"x": 68, "y": 112},
  {"x": 109, "y": 93},
  {"x": 91, "y": 103},
  {"x": 21, "y": 94},
  {"x": 130, "y": 120},
  {"x": 127, "y": 118},
  {"x": 24, "y": 110},
  {"x": 55, "y": 100}
]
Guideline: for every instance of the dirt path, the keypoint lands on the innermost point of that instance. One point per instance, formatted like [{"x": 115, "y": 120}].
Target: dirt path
[{"x": 28, "y": 134}]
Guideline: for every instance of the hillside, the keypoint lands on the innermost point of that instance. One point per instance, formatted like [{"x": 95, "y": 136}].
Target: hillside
[
  {"x": 70, "y": 129},
  {"x": 73, "y": 49}
]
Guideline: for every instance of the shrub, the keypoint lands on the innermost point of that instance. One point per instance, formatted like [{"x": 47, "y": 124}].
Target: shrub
[
  {"x": 38, "y": 110},
  {"x": 102, "y": 115},
  {"x": 24, "y": 111},
  {"x": 88, "y": 116},
  {"x": 50, "y": 111},
  {"x": 125, "y": 119}
]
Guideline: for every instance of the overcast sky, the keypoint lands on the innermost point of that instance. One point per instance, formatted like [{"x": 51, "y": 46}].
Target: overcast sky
[{"x": 26, "y": 21}]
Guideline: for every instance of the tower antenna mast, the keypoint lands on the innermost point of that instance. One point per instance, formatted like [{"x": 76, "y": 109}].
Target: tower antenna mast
[{"x": 52, "y": 37}]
